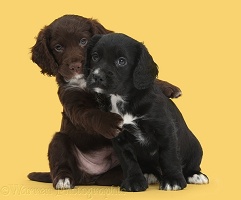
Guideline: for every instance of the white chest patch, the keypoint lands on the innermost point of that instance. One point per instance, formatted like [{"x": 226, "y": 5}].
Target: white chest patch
[
  {"x": 114, "y": 100},
  {"x": 117, "y": 102},
  {"x": 127, "y": 117}
]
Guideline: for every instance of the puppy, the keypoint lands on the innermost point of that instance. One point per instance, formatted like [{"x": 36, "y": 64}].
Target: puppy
[
  {"x": 81, "y": 152},
  {"x": 155, "y": 138}
]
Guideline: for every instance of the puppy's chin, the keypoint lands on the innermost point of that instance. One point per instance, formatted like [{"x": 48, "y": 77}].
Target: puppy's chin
[
  {"x": 76, "y": 81},
  {"x": 74, "y": 78},
  {"x": 101, "y": 90},
  {"x": 92, "y": 86},
  {"x": 98, "y": 90}
]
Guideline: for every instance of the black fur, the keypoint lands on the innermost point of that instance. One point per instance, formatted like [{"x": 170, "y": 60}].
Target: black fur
[{"x": 157, "y": 139}]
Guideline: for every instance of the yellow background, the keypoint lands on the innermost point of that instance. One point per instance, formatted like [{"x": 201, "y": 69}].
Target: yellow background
[{"x": 197, "y": 45}]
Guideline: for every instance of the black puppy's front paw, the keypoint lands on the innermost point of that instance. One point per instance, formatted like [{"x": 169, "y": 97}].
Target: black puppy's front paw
[
  {"x": 174, "y": 183},
  {"x": 134, "y": 184}
]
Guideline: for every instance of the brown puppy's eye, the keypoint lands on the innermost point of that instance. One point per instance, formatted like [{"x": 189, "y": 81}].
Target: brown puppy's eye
[
  {"x": 95, "y": 57},
  {"x": 83, "y": 42},
  {"x": 121, "y": 61},
  {"x": 59, "y": 48}
]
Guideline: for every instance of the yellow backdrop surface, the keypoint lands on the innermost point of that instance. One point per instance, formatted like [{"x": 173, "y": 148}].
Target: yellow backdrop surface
[{"x": 197, "y": 45}]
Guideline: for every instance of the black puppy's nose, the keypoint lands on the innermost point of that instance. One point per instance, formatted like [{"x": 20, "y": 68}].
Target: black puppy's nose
[
  {"x": 98, "y": 78},
  {"x": 76, "y": 67}
]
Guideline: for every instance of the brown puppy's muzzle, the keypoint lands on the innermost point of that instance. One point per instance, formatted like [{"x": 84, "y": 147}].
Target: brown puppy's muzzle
[
  {"x": 76, "y": 67},
  {"x": 72, "y": 65}
]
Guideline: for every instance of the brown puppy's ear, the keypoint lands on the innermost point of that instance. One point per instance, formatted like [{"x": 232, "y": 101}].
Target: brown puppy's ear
[
  {"x": 146, "y": 69},
  {"x": 88, "y": 56},
  {"x": 97, "y": 28},
  {"x": 41, "y": 53}
]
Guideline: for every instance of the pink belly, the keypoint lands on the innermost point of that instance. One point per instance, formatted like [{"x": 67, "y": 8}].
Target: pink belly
[{"x": 97, "y": 162}]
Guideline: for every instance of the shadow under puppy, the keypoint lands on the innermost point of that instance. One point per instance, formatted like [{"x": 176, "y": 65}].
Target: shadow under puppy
[
  {"x": 81, "y": 153},
  {"x": 155, "y": 138}
]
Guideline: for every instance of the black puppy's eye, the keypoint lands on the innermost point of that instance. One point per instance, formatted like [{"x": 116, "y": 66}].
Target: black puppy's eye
[
  {"x": 121, "y": 61},
  {"x": 59, "y": 48},
  {"x": 95, "y": 57},
  {"x": 83, "y": 42}
]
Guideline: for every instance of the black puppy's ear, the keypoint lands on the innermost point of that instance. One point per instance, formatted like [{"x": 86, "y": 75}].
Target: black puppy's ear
[
  {"x": 88, "y": 56},
  {"x": 146, "y": 69},
  {"x": 41, "y": 54}
]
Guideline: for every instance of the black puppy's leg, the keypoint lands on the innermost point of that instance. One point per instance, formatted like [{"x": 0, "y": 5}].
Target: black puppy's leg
[
  {"x": 112, "y": 177},
  {"x": 172, "y": 176},
  {"x": 134, "y": 180},
  {"x": 196, "y": 177},
  {"x": 61, "y": 161},
  {"x": 192, "y": 170}
]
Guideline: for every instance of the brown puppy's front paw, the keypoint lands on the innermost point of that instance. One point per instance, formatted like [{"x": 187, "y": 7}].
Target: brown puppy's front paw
[
  {"x": 63, "y": 182},
  {"x": 112, "y": 126},
  {"x": 169, "y": 90},
  {"x": 172, "y": 92}
]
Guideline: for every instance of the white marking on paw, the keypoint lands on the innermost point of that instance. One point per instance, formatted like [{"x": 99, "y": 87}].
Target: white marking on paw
[
  {"x": 168, "y": 187},
  {"x": 198, "y": 179},
  {"x": 63, "y": 184},
  {"x": 151, "y": 179},
  {"x": 176, "y": 187}
]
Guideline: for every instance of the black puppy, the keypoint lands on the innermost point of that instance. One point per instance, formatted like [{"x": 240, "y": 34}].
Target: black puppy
[{"x": 155, "y": 138}]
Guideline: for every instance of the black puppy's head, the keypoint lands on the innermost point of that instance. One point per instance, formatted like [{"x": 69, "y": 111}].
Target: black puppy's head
[{"x": 117, "y": 64}]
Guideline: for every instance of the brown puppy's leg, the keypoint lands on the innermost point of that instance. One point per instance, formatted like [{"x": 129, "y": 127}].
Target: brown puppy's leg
[
  {"x": 171, "y": 91},
  {"x": 62, "y": 162}
]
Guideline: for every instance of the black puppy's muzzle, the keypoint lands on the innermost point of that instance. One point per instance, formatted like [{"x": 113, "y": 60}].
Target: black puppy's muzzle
[
  {"x": 101, "y": 79},
  {"x": 98, "y": 78}
]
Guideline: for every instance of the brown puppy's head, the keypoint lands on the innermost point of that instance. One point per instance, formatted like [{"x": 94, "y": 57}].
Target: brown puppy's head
[
  {"x": 118, "y": 64},
  {"x": 60, "y": 46}
]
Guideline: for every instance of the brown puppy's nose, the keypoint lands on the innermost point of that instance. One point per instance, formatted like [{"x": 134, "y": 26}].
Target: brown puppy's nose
[{"x": 76, "y": 67}]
